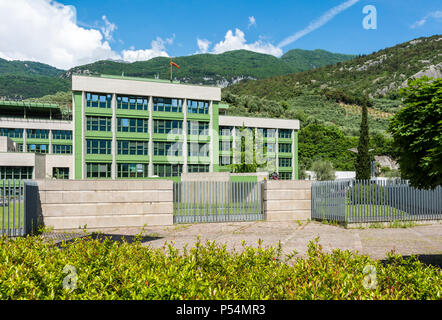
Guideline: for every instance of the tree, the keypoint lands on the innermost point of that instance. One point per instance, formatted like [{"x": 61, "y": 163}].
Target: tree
[
  {"x": 362, "y": 165},
  {"x": 323, "y": 170},
  {"x": 417, "y": 133}
]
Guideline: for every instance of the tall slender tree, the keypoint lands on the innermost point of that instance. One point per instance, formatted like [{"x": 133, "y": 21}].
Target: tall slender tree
[{"x": 363, "y": 168}]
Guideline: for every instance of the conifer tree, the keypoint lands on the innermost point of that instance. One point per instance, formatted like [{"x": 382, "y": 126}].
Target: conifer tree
[{"x": 363, "y": 168}]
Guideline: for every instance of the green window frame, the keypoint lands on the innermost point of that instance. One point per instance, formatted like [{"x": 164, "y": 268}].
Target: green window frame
[
  {"x": 37, "y": 134},
  {"x": 132, "y": 125},
  {"x": 39, "y": 148},
  {"x": 60, "y": 173},
  {"x": 195, "y": 149},
  {"x": 98, "y": 146},
  {"x": 62, "y": 134},
  {"x": 285, "y": 162},
  {"x": 225, "y": 131},
  {"x": 167, "y": 170},
  {"x": 98, "y": 170},
  {"x": 98, "y": 123},
  {"x": 167, "y": 148},
  {"x": 128, "y": 147},
  {"x": 267, "y": 133},
  {"x": 225, "y": 145},
  {"x": 285, "y": 176},
  {"x": 18, "y": 173},
  {"x": 11, "y": 132},
  {"x": 167, "y": 104},
  {"x": 132, "y": 103},
  {"x": 285, "y": 133},
  {"x": 62, "y": 149},
  {"x": 98, "y": 100},
  {"x": 198, "y": 128},
  {"x": 225, "y": 160},
  {"x": 285, "y": 147},
  {"x": 269, "y": 147},
  {"x": 168, "y": 126},
  {"x": 198, "y": 168},
  {"x": 198, "y": 106}
]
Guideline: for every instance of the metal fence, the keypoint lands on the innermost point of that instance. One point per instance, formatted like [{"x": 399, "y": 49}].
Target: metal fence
[
  {"x": 18, "y": 207},
  {"x": 360, "y": 201},
  {"x": 207, "y": 201}
]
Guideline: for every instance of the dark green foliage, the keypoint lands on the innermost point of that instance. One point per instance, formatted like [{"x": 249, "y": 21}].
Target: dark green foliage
[
  {"x": 417, "y": 133},
  {"x": 367, "y": 194},
  {"x": 33, "y": 269},
  {"x": 363, "y": 161},
  {"x": 30, "y": 86},
  {"x": 323, "y": 170},
  {"x": 26, "y": 68}
]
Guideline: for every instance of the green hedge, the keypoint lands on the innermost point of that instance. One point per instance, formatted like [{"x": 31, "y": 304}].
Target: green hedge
[
  {"x": 31, "y": 268},
  {"x": 367, "y": 194}
]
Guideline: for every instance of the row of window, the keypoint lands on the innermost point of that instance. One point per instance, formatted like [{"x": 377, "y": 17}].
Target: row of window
[
  {"x": 44, "y": 148},
  {"x": 268, "y": 147},
  {"x": 266, "y": 133},
  {"x": 96, "y": 100},
  {"x": 136, "y": 170},
  {"x": 36, "y": 133},
  {"x": 227, "y": 160},
  {"x": 18, "y": 173}
]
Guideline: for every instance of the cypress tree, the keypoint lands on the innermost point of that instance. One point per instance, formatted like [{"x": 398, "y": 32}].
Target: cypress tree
[{"x": 363, "y": 168}]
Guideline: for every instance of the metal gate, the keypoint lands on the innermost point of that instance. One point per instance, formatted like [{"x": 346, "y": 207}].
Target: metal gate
[{"x": 217, "y": 201}]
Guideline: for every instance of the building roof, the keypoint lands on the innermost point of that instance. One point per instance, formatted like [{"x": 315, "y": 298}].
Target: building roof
[{"x": 23, "y": 104}]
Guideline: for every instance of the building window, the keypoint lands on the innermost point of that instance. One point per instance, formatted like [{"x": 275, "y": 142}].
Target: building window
[
  {"x": 139, "y": 148},
  {"x": 98, "y": 170},
  {"x": 198, "y": 168},
  {"x": 132, "y": 170},
  {"x": 269, "y": 147},
  {"x": 132, "y": 125},
  {"x": 62, "y": 149},
  {"x": 39, "y": 148},
  {"x": 195, "y": 149},
  {"x": 225, "y": 145},
  {"x": 267, "y": 133},
  {"x": 285, "y": 147},
  {"x": 168, "y": 148},
  {"x": 167, "y": 170},
  {"x": 60, "y": 173},
  {"x": 225, "y": 160},
  {"x": 167, "y": 104},
  {"x": 98, "y": 146},
  {"x": 11, "y": 133},
  {"x": 197, "y": 106},
  {"x": 98, "y": 123},
  {"x": 62, "y": 134},
  {"x": 168, "y": 126},
  {"x": 285, "y": 162},
  {"x": 37, "y": 134},
  {"x": 285, "y": 175},
  {"x": 225, "y": 131},
  {"x": 132, "y": 103},
  {"x": 97, "y": 100},
  {"x": 285, "y": 133},
  {"x": 197, "y": 128},
  {"x": 19, "y": 173}
]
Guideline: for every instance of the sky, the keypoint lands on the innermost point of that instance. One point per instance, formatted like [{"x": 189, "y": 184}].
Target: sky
[{"x": 68, "y": 33}]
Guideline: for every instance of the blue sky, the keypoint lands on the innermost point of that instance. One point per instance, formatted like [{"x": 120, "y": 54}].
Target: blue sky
[{"x": 133, "y": 30}]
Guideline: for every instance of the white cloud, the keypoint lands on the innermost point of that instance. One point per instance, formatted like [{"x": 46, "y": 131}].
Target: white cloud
[
  {"x": 203, "y": 45},
  {"x": 237, "y": 41},
  {"x": 315, "y": 24},
  {"x": 158, "y": 50},
  {"x": 108, "y": 29},
  {"x": 437, "y": 15},
  {"x": 46, "y": 31},
  {"x": 252, "y": 21}
]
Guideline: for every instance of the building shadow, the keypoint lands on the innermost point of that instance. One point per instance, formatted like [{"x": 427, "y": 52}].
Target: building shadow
[{"x": 428, "y": 259}]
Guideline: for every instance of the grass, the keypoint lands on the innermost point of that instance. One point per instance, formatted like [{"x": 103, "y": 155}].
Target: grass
[{"x": 10, "y": 211}]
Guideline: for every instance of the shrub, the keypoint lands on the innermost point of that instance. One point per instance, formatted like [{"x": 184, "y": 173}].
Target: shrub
[
  {"x": 31, "y": 268},
  {"x": 367, "y": 194}
]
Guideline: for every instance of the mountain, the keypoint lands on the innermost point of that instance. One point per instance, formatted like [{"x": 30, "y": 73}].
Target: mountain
[
  {"x": 217, "y": 69},
  {"x": 378, "y": 75}
]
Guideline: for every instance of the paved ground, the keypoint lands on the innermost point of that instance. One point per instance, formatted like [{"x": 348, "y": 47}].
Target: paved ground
[{"x": 376, "y": 242}]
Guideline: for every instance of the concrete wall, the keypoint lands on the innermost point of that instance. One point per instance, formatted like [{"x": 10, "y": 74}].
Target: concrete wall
[
  {"x": 7, "y": 145},
  {"x": 70, "y": 204},
  {"x": 287, "y": 200},
  {"x": 59, "y": 161}
]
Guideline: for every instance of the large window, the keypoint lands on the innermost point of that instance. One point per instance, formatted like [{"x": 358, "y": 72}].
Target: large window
[
  {"x": 18, "y": 173},
  {"x": 132, "y": 170},
  {"x": 168, "y": 126},
  {"x": 269, "y": 147},
  {"x": 285, "y": 147},
  {"x": 285, "y": 162},
  {"x": 268, "y": 133},
  {"x": 168, "y": 148},
  {"x": 98, "y": 146},
  {"x": 198, "y": 106},
  {"x": 225, "y": 145},
  {"x": 195, "y": 149},
  {"x": 139, "y": 148},
  {"x": 225, "y": 131},
  {"x": 37, "y": 134},
  {"x": 285, "y": 175},
  {"x": 97, "y": 100},
  {"x": 197, "y": 128},
  {"x": 60, "y": 173},
  {"x": 285, "y": 133},
  {"x": 225, "y": 160},
  {"x": 168, "y": 170},
  {"x": 198, "y": 168},
  {"x": 98, "y": 123},
  {"x": 61, "y": 148},
  {"x": 11, "y": 133},
  {"x": 132, "y": 125},
  {"x": 98, "y": 170},
  {"x": 167, "y": 104},
  {"x": 132, "y": 103},
  {"x": 62, "y": 134},
  {"x": 40, "y": 148}
]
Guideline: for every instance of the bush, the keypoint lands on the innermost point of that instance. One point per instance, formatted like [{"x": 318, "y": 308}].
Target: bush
[
  {"x": 323, "y": 170},
  {"x": 31, "y": 268},
  {"x": 367, "y": 194}
]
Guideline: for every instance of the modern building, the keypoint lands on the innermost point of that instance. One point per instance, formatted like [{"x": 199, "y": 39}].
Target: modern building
[{"x": 124, "y": 127}]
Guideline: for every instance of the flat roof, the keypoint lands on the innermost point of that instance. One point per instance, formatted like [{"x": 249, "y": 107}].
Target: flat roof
[
  {"x": 23, "y": 104},
  {"x": 268, "y": 123}
]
